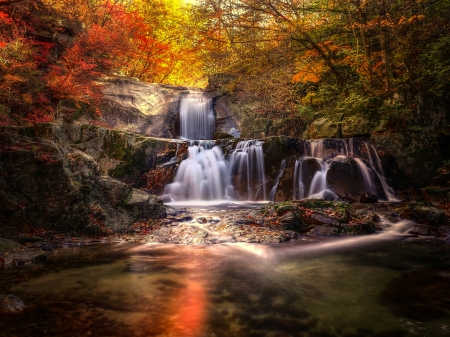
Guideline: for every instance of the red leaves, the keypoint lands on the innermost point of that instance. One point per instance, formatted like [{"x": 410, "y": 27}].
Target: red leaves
[{"x": 5, "y": 19}]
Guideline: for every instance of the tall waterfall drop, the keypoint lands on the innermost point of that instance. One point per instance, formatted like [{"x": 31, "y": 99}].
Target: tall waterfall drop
[{"x": 196, "y": 117}]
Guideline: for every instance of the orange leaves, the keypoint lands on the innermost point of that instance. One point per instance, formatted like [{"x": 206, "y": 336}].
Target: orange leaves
[{"x": 5, "y": 19}]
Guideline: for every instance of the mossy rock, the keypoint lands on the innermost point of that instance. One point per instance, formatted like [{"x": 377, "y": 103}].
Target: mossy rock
[
  {"x": 423, "y": 213},
  {"x": 436, "y": 195},
  {"x": 222, "y": 135}
]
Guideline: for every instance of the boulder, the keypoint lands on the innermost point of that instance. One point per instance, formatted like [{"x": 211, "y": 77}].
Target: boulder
[
  {"x": 11, "y": 303},
  {"x": 146, "y": 108},
  {"x": 368, "y": 198},
  {"x": 424, "y": 214},
  {"x": 332, "y": 127}
]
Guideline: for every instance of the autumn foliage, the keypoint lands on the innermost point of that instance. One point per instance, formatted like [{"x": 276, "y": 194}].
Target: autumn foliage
[{"x": 55, "y": 52}]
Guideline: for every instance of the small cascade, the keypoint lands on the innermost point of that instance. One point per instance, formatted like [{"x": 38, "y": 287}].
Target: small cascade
[
  {"x": 376, "y": 164},
  {"x": 277, "y": 180},
  {"x": 319, "y": 181},
  {"x": 196, "y": 117},
  {"x": 246, "y": 169},
  {"x": 369, "y": 184},
  {"x": 298, "y": 190},
  {"x": 316, "y": 148},
  {"x": 206, "y": 175},
  {"x": 202, "y": 176},
  {"x": 311, "y": 171}
]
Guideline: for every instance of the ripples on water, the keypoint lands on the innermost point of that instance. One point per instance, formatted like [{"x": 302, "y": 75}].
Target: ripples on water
[{"x": 303, "y": 288}]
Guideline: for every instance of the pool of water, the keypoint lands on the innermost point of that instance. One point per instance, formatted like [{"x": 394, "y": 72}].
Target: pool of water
[{"x": 380, "y": 288}]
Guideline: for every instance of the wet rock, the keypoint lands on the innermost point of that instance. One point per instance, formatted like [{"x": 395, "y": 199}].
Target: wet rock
[
  {"x": 421, "y": 230},
  {"x": 421, "y": 213},
  {"x": 322, "y": 231},
  {"x": 251, "y": 233},
  {"x": 368, "y": 198},
  {"x": 304, "y": 215},
  {"x": 11, "y": 303},
  {"x": 24, "y": 256}
]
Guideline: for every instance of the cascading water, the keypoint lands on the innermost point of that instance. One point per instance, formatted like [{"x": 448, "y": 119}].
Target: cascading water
[
  {"x": 277, "y": 180},
  {"x": 196, "y": 117},
  {"x": 205, "y": 175},
  {"x": 246, "y": 169},
  {"x": 202, "y": 176},
  {"x": 310, "y": 171}
]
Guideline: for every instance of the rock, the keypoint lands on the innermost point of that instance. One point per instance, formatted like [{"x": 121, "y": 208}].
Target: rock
[
  {"x": 344, "y": 180},
  {"x": 322, "y": 231},
  {"x": 251, "y": 233},
  {"x": 7, "y": 246},
  {"x": 56, "y": 187},
  {"x": 222, "y": 135},
  {"x": 368, "y": 198},
  {"x": 146, "y": 108},
  {"x": 25, "y": 256},
  {"x": 323, "y": 128},
  {"x": 423, "y": 214},
  {"x": 327, "y": 127},
  {"x": 437, "y": 196},
  {"x": 11, "y": 303},
  {"x": 421, "y": 230}
]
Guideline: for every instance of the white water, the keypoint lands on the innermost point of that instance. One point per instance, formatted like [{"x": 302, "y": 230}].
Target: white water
[
  {"x": 246, "y": 168},
  {"x": 369, "y": 184},
  {"x": 202, "y": 176},
  {"x": 205, "y": 175},
  {"x": 196, "y": 117},
  {"x": 388, "y": 190},
  {"x": 316, "y": 187},
  {"x": 277, "y": 180}
]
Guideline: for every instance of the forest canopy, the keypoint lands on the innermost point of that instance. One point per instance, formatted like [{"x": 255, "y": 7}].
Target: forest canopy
[{"x": 284, "y": 62}]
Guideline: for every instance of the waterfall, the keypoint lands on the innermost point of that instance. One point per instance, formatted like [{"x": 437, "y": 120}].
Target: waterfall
[
  {"x": 206, "y": 175},
  {"x": 246, "y": 169},
  {"x": 196, "y": 117},
  {"x": 319, "y": 181},
  {"x": 380, "y": 172},
  {"x": 310, "y": 171},
  {"x": 202, "y": 176},
  {"x": 298, "y": 191},
  {"x": 277, "y": 180},
  {"x": 368, "y": 181}
]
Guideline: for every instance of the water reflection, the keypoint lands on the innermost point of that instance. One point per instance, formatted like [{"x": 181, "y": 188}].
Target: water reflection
[{"x": 232, "y": 290}]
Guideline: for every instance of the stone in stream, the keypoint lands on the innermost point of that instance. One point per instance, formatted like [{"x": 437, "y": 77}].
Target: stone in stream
[
  {"x": 11, "y": 303},
  {"x": 368, "y": 198}
]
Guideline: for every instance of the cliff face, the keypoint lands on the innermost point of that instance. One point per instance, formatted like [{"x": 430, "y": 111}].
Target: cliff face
[
  {"x": 145, "y": 108},
  {"x": 79, "y": 178}
]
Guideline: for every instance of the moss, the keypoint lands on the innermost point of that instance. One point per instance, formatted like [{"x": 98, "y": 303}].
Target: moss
[
  {"x": 116, "y": 146},
  {"x": 128, "y": 196}
]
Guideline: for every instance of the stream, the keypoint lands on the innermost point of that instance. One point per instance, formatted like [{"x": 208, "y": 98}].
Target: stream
[{"x": 385, "y": 284}]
